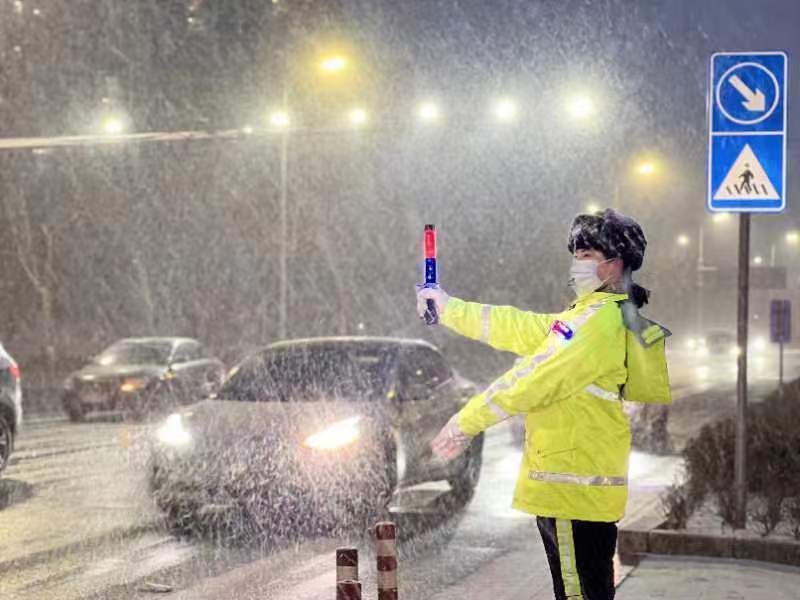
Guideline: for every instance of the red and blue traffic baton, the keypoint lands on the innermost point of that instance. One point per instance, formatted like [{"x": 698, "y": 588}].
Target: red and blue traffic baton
[{"x": 431, "y": 316}]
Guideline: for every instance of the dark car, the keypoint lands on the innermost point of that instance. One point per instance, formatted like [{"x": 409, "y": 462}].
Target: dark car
[
  {"x": 325, "y": 428},
  {"x": 137, "y": 375},
  {"x": 10, "y": 405}
]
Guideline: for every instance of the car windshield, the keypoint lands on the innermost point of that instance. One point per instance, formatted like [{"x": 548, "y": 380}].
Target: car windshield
[
  {"x": 309, "y": 374},
  {"x": 133, "y": 353}
]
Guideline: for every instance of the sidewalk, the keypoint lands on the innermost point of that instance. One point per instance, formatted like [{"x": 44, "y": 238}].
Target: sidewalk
[{"x": 697, "y": 578}]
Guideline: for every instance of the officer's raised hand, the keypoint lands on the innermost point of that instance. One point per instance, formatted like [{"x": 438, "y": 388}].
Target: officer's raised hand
[{"x": 437, "y": 294}]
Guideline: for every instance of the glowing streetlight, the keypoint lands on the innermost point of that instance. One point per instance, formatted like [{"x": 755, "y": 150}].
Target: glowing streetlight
[
  {"x": 358, "y": 117},
  {"x": 646, "y": 168},
  {"x": 247, "y": 129},
  {"x": 581, "y": 107},
  {"x": 428, "y": 112},
  {"x": 505, "y": 110},
  {"x": 113, "y": 125},
  {"x": 793, "y": 238},
  {"x": 334, "y": 64},
  {"x": 682, "y": 240},
  {"x": 592, "y": 207},
  {"x": 721, "y": 217},
  {"x": 758, "y": 260},
  {"x": 279, "y": 119}
]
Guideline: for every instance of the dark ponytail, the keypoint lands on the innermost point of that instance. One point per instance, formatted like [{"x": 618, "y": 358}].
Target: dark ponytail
[
  {"x": 639, "y": 295},
  {"x": 636, "y": 293}
]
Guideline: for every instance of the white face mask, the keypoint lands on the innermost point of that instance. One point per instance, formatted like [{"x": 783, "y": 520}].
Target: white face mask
[{"x": 583, "y": 278}]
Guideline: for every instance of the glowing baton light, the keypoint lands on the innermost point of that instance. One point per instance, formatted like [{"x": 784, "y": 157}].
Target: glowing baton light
[{"x": 431, "y": 276}]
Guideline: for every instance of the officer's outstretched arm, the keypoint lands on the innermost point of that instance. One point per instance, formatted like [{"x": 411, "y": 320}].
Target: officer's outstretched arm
[
  {"x": 560, "y": 369},
  {"x": 502, "y": 327}
]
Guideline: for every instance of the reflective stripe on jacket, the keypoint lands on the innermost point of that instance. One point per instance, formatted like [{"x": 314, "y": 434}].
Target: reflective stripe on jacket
[{"x": 567, "y": 384}]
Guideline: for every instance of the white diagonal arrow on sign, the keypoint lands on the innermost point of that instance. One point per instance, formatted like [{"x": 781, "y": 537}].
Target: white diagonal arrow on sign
[{"x": 754, "y": 101}]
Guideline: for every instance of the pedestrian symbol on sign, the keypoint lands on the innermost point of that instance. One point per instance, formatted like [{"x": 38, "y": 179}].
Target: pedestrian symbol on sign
[
  {"x": 746, "y": 180},
  {"x": 746, "y": 177}
]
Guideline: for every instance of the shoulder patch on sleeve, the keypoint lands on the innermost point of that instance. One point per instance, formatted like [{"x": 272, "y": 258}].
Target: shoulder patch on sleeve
[{"x": 562, "y": 330}]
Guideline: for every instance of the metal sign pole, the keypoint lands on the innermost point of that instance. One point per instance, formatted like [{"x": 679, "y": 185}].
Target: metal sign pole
[
  {"x": 780, "y": 371},
  {"x": 741, "y": 386}
]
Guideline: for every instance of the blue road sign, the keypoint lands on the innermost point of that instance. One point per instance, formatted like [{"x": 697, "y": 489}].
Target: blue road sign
[
  {"x": 747, "y": 132},
  {"x": 780, "y": 321}
]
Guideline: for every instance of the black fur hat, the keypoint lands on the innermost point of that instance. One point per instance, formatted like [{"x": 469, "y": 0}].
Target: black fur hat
[{"x": 610, "y": 232}]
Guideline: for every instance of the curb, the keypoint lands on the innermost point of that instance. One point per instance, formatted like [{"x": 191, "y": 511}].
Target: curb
[{"x": 636, "y": 540}]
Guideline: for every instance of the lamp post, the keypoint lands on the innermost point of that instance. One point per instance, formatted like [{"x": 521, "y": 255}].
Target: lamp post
[
  {"x": 717, "y": 219},
  {"x": 281, "y": 121},
  {"x": 284, "y": 170}
]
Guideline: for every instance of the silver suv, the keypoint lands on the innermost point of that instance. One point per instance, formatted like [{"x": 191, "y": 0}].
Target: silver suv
[{"x": 10, "y": 405}]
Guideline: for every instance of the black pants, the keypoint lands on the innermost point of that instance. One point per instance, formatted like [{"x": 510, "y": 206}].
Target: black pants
[{"x": 581, "y": 557}]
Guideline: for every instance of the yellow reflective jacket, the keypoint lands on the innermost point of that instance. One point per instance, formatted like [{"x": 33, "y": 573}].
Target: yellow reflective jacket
[{"x": 568, "y": 384}]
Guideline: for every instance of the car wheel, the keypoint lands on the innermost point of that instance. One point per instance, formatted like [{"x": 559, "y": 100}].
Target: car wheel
[
  {"x": 464, "y": 482},
  {"x": 74, "y": 408},
  {"x": 6, "y": 441}
]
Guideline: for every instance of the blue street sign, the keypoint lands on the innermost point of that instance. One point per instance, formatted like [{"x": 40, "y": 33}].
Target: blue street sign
[
  {"x": 780, "y": 321},
  {"x": 747, "y": 132}
]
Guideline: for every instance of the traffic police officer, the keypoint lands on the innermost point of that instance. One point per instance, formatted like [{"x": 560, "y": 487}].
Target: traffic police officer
[{"x": 575, "y": 368}]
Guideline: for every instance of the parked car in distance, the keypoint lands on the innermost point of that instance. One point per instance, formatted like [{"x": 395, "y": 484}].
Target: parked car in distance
[{"x": 135, "y": 376}]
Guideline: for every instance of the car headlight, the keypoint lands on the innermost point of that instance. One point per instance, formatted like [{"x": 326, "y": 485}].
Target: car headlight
[
  {"x": 173, "y": 432},
  {"x": 132, "y": 385},
  {"x": 338, "y": 435}
]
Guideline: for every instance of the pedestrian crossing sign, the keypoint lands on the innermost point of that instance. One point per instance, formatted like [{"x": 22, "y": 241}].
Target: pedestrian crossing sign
[{"x": 747, "y": 132}]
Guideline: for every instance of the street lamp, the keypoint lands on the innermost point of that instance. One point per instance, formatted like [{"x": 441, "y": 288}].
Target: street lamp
[
  {"x": 279, "y": 119},
  {"x": 646, "y": 168},
  {"x": 793, "y": 238},
  {"x": 592, "y": 207},
  {"x": 758, "y": 260},
  {"x": 113, "y": 124},
  {"x": 335, "y": 63},
  {"x": 581, "y": 107},
  {"x": 682, "y": 240},
  {"x": 505, "y": 110},
  {"x": 358, "y": 117},
  {"x": 428, "y": 112}
]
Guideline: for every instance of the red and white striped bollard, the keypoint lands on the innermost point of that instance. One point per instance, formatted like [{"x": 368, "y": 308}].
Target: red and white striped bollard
[
  {"x": 386, "y": 540},
  {"x": 346, "y": 564},
  {"x": 348, "y": 590}
]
